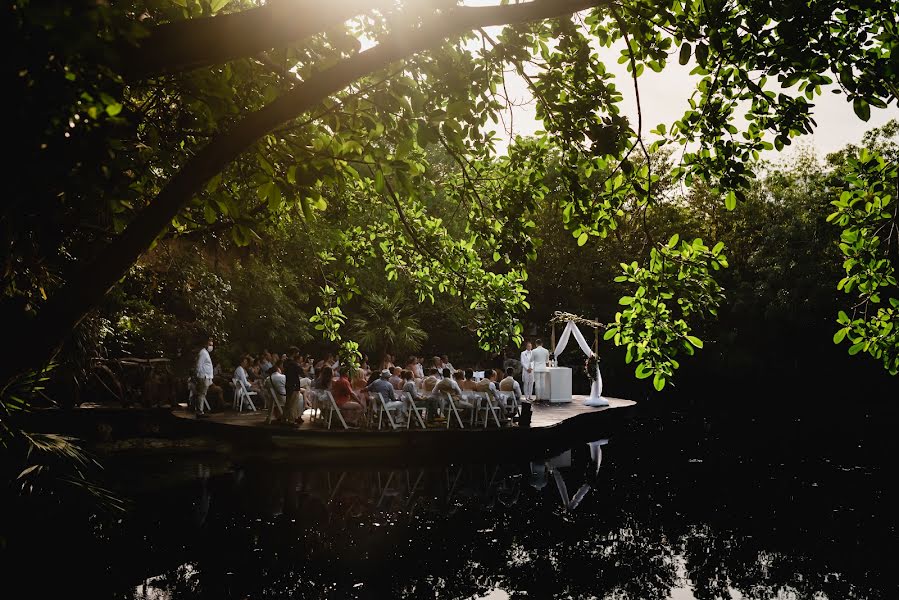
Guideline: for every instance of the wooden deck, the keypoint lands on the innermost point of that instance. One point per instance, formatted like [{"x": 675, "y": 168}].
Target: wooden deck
[{"x": 544, "y": 415}]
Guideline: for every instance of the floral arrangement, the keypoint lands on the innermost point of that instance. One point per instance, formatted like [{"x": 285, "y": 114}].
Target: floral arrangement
[{"x": 590, "y": 366}]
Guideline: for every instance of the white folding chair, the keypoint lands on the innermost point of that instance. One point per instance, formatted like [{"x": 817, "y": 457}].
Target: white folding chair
[
  {"x": 242, "y": 396},
  {"x": 510, "y": 403},
  {"x": 273, "y": 396},
  {"x": 488, "y": 406},
  {"x": 454, "y": 411},
  {"x": 383, "y": 407},
  {"x": 414, "y": 409},
  {"x": 332, "y": 407}
]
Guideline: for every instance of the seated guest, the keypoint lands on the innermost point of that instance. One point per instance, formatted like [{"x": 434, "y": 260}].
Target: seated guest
[
  {"x": 255, "y": 371},
  {"x": 387, "y": 362},
  {"x": 382, "y": 386},
  {"x": 412, "y": 391},
  {"x": 396, "y": 380},
  {"x": 359, "y": 380},
  {"x": 364, "y": 368},
  {"x": 458, "y": 379},
  {"x": 419, "y": 371},
  {"x": 430, "y": 381},
  {"x": 509, "y": 384},
  {"x": 324, "y": 379},
  {"x": 372, "y": 377},
  {"x": 437, "y": 363},
  {"x": 469, "y": 384},
  {"x": 308, "y": 366},
  {"x": 277, "y": 383},
  {"x": 447, "y": 364},
  {"x": 448, "y": 385},
  {"x": 265, "y": 362},
  {"x": 346, "y": 399},
  {"x": 488, "y": 385},
  {"x": 410, "y": 365},
  {"x": 240, "y": 374}
]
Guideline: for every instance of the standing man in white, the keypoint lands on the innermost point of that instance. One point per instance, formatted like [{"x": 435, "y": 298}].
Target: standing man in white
[
  {"x": 527, "y": 373},
  {"x": 204, "y": 377},
  {"x": 539, "y": 362}
]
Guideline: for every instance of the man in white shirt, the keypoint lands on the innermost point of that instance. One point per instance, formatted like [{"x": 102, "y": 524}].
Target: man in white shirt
[
  {"x": 203, "y": 375},
  {"x": 509, "y": 384},
  {"x": 488, "y": 385},
  {"x": 447, "y": 364},
  {"x": 539, "y": 362},
  {"x": 419, "y": 369},
  {"x": 527, "y": 372},
  {"x": 240, "y": 373}
]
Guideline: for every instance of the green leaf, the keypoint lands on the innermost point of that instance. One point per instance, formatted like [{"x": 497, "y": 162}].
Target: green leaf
[
  {"x": 840, "y": 335},
  {"x": 702, "y": 55},
  {"x": 217, "y": 5},
  {"x": 685, "y": 51},
  {"x": 730, "y": 200},
  {"x": 379, "y": 182},
  {"x": 658, "y": 382},
  {"x": 582, "y": 239},
  {"x": 115, "y": 108},
  {"x": 855, "y": 349},
  {"x": 695, "y": 341},
  {"x": 672, "y": 243},
  {"x": 861, "y": 108}
]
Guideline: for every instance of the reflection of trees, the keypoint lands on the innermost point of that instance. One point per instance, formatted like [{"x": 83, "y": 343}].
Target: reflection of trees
[{"x": 651, "y": 522}]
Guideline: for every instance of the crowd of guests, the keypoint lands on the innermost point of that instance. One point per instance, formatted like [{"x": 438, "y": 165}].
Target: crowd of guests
[{"x": 288, "y": 382}]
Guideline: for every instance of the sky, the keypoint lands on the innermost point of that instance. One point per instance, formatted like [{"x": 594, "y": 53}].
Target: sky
[{"x": 664, "y": 95}]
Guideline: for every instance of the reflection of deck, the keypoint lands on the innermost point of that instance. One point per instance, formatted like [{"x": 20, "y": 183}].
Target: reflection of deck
[
  {"x": 544, "y": 415},
  {"x": 553, "y": 428}
]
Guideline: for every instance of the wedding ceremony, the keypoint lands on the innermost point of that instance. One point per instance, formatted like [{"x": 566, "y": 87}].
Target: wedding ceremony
[{"x": 451, "y": 299}]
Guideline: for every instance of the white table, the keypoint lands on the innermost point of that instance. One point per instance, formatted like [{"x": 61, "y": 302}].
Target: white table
[{"x": 557, "y": 384}]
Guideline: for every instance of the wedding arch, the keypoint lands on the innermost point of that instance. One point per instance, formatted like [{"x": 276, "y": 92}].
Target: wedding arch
[{"x": 571, "y": 330}]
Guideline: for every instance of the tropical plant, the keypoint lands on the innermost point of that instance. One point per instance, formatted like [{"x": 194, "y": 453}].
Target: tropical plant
[
  {"x": 385, "y": 325},
  {"x": 867, "y": 212}
]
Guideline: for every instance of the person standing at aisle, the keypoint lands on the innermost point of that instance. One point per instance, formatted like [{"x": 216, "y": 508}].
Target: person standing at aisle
[
  {"x": 293, "y": 372},
  {"x": 527, "y": 371},
  {"x": 203, "y": 378}
]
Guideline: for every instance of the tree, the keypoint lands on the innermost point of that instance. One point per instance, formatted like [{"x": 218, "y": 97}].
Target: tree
[
  {"x": 385, "y": 325},
  {"x": 151, "y": 117}
]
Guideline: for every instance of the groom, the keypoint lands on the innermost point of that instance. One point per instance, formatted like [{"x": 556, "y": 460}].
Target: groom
[{"x": 539, "y": 360}]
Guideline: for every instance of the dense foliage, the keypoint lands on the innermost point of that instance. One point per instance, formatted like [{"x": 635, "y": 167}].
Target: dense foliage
[{"x": 151, "y": 119}]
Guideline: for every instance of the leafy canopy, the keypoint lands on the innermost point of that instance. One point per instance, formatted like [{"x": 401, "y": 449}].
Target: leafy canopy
[{"x": 112, "y": 143}]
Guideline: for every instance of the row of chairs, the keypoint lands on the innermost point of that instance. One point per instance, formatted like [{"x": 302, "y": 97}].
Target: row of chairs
[{"x": 480, "y": 407}]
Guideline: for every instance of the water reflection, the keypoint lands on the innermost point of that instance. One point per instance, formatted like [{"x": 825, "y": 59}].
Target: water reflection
[{"x": 662, "y": 511}]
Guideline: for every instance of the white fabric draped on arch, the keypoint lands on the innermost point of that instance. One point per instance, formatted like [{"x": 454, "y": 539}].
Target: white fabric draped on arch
[{"x": 571, "y": 329}]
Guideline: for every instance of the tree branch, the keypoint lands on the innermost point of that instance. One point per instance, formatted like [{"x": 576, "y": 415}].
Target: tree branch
[
  {"x": 86, "y": 288},
  {"x": 201, "y": 42}
]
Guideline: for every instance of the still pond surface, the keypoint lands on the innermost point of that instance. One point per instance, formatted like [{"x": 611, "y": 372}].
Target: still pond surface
[{"x": 674, "y": 506}]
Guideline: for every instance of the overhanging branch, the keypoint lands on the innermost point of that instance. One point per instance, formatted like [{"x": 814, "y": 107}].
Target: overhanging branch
[{"x": 84, "y": 290}]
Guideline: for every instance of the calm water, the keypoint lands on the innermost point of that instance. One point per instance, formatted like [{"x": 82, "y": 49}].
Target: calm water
[{"x": 674, "y": 506}]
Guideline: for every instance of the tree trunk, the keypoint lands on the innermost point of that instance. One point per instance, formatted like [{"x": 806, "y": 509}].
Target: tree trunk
[{"x": 43, "y": 336}]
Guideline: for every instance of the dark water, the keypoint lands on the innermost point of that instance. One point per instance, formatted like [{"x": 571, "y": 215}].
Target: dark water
[{"x": 677, "y": 506}]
